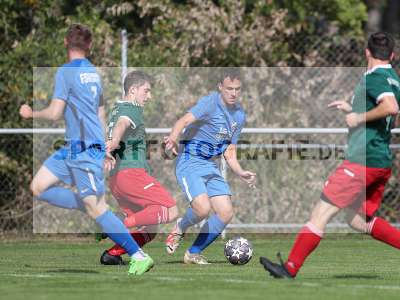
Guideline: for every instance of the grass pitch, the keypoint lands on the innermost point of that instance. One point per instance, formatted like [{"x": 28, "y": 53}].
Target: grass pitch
[{"x": 343, "y": 267}]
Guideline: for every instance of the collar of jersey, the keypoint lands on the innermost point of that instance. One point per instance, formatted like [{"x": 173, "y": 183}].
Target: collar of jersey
[
  {"x": 131, "y": 102},
  {"x": 386, "y": 66}
]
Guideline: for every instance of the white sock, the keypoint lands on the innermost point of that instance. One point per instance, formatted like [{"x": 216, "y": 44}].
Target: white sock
[{"x": 139, "y": 255}]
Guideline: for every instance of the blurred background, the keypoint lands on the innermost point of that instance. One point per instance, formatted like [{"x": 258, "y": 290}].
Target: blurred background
[{"x": 328, "y": 34}]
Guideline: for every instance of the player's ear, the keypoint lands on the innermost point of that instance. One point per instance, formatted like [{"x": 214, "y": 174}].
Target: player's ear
[
  {"x": 392, "y": 56},
  {"x": 132, "y": 90},
  {"x": 367, "y": 53},
  {"x": 65, "y": 42},
  {"x": 220, "y": 87}
]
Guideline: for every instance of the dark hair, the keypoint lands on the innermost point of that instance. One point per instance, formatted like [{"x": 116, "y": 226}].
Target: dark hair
[
  {"x": 78, "y": 37},
  {"x": 231, "y": 73},
  {"x": 135, "y": 78},
  {"x": 381, "y": 45}
]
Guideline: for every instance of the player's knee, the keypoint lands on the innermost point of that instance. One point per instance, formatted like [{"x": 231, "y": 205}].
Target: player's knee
[
  {"x": 226, "y": 216},
  {"x": 202, "y": 211},
  {"x": 172, "y": 213},
  {"x": 35, "y": 189}
]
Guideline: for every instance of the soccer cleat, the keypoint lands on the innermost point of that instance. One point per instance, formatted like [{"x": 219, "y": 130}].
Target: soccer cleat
[
  {"x": 111, "y": 260},
  {"x": 174, "y": 238},
  {"x": 194, "y": 258},
  {"x": 139, "y": 267},
  {"x": 274, "y": 269}
]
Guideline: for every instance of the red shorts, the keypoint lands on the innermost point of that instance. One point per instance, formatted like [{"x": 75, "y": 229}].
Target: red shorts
[
  {"x": 134, "y": 189},
  {"x": 356, "y": 186}
]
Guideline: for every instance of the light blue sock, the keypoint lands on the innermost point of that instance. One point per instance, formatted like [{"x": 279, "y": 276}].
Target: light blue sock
[
  {"x": 62, "y": 197},
  {"x": 208, "y": 233},
  {"x": 117, "y": 232},
  {"x": 189, "y": 219}
]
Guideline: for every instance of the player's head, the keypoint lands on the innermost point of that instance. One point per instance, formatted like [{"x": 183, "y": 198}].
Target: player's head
[
  {"x": 380, "y": 46},
  {"x": 137, "y": 87},
  {"x": 230, "y": 85},
  {"x": 78, "y": 38}
]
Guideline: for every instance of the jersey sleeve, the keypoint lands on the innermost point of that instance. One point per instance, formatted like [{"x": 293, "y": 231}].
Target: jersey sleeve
[
  {"x": 378, "y": 86},
  {"x": 238, "y": 131},
  {"x": 60, "y": 85},
  {"x": 203, "y": 109}
]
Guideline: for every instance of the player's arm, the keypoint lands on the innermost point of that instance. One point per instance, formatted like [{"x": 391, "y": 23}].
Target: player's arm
[
  {"x": 53, "y": 112},
  {"x": 117, "y": 133},
  {"x": 230, "y": 155},
  {"x": 386, "y": 107},
  {"x": 171, "y": 140}
]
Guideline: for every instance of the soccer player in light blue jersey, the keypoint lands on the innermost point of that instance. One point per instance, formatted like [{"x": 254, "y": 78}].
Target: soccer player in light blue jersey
[
  {"x": 212, "y": 128},
  {"x": 78, "y": 98}
]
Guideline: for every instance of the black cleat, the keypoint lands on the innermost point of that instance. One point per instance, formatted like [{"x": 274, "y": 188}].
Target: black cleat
[
  {"x": 274, "y": 269},
  {"x": 111, "y": 260}
]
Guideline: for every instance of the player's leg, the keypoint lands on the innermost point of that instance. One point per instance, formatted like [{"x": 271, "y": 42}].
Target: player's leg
[
  {"x": 43, "y": 186},
  {"x": 379, "y": 228},
  {"x": 220, "y": 201},
  {"x": 215, "y": 224},
  {"x": 193, "y": 185},
  {"x": 343, "y": 187},
  {"x": 201, "y": 207},
  {"x": 158, "y": 206},
  {"x": 90, "y": 185},
  {"x": 142, "y": 236}
]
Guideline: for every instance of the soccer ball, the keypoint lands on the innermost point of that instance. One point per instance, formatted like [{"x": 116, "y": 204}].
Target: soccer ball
[{"x": 238, "y": 251}]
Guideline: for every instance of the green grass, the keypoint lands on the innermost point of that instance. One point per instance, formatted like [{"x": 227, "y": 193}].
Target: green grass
[{"x": 343, "y": 267}]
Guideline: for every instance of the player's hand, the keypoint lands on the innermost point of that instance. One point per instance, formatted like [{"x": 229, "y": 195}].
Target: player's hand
[
  {"x": 109, "y": 162},
  {"x": 249, "y": 178},
  {"x": 26, "y": 111},
  {"x": 170, "y": 146},
  {"x": 354, "y": 120},
  {"x": 341, "y": 105}
]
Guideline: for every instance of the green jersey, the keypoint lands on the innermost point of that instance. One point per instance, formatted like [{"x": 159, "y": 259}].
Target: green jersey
[
  {"x": 368, "y": 144},
  {"x": 132, "y": 151}
]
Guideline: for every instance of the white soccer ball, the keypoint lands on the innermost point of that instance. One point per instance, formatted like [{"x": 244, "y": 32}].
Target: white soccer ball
[{"x": 238, "y": 251}]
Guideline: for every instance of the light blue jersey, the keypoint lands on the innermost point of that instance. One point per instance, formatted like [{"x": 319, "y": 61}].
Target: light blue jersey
[
  {"x": 216, "y": 127},
  {"x": 80, "y": 161},
  {"x": 78, "y": 84}
]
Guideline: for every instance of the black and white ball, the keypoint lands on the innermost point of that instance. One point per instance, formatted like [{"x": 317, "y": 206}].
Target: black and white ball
[{"x": 238, "y": 251}]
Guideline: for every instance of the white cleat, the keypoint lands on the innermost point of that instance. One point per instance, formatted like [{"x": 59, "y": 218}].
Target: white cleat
[
  {"x": 194, "y": 258},
  {"x": 174, "y": 238}
]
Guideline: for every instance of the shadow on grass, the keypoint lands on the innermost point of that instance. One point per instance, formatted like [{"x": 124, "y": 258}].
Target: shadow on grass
[
  {"x": 356, "y": 276},
  {"x": 180, "y": 262},
  {"x": 74, "y": 271}
]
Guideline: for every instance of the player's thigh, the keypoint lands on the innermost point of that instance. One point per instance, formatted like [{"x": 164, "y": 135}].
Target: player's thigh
[
  {"x": 201, "y": 205},
  {"x": 345, "y": 186},
  {"x": 222, "y": 205},
  {"x": 42, "y": 180},
  {"x": 374, "y": 192},
  {"x": 193, "y": 185},
  {"x": 89, "y": 181},
  {"x": 322, "y": 213}
]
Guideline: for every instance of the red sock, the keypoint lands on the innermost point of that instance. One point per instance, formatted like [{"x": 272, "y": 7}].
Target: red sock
[
  {"x": 382, "y": 230},
  {"x": 150, "y": 215},
  {"x": 141, "y": 237},
  {"x": 306, "y": 242}
]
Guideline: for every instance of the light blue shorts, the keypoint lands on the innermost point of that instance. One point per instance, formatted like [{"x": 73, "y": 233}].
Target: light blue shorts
[
  {"x": 86, "y": 174},
  {"x": 196, "y": 180}
]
